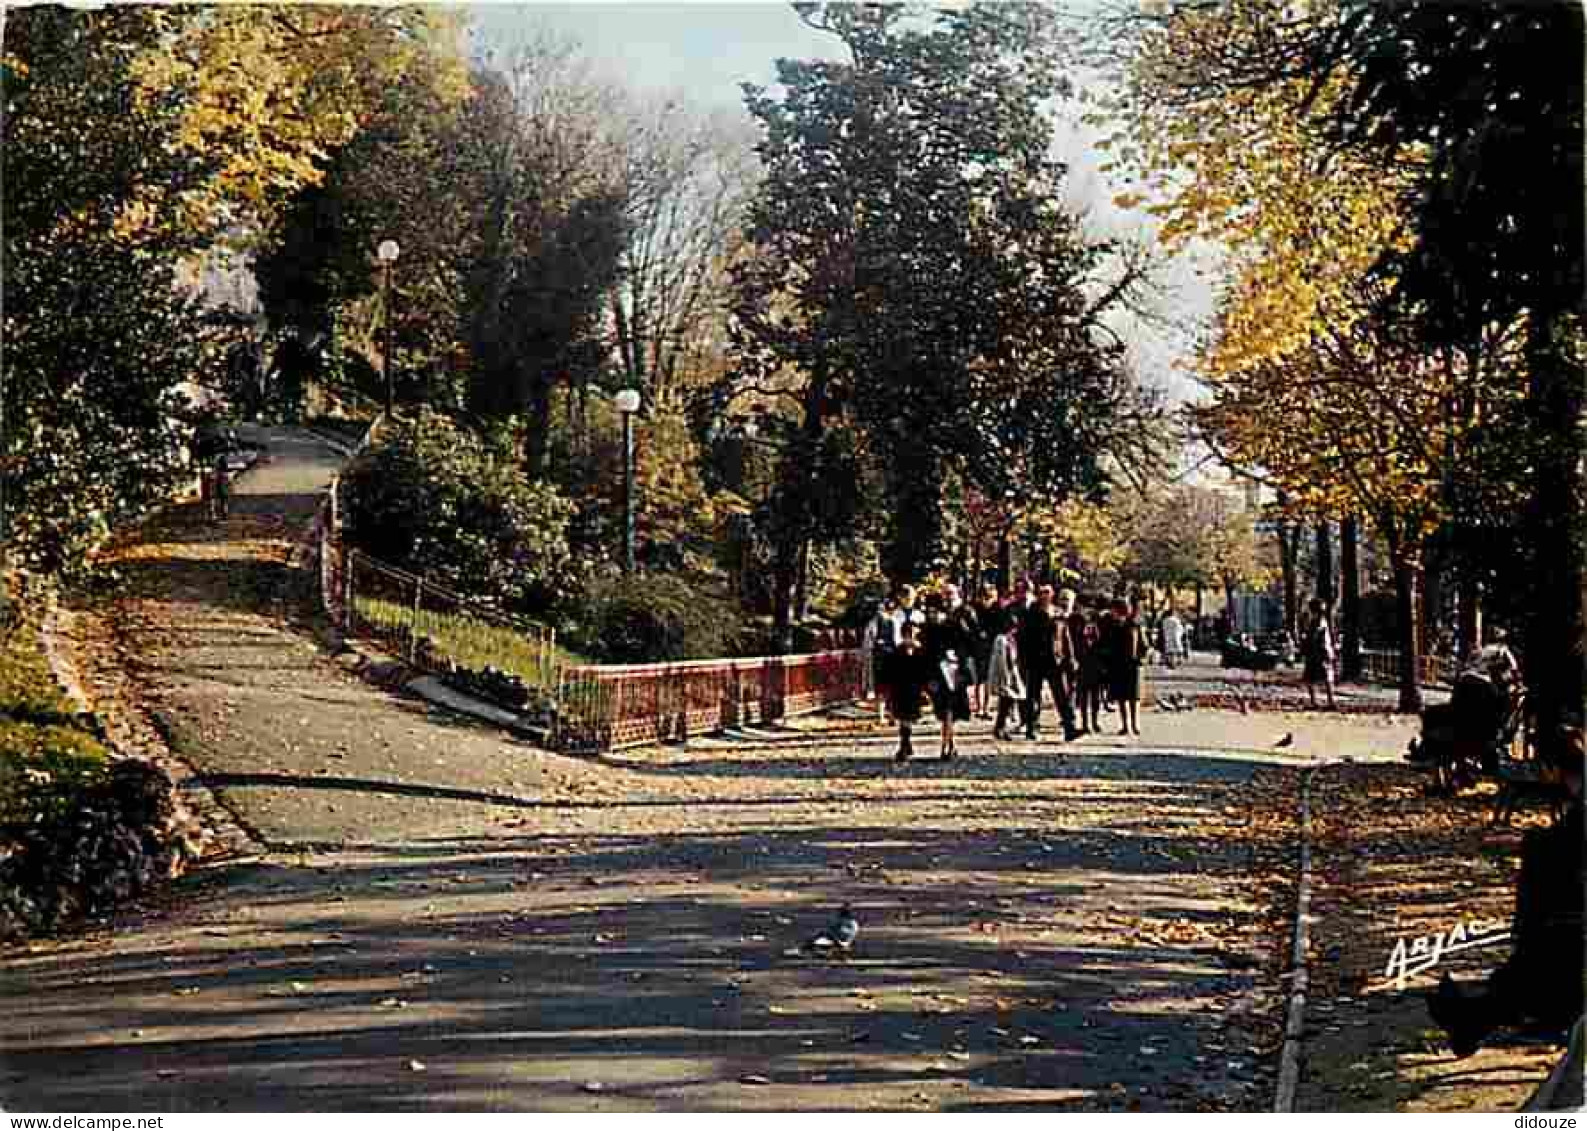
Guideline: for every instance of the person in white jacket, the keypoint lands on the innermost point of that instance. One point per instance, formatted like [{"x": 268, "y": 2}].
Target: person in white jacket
[
  {"x": 1003, "y": 678},
  {"x": 1173, "y": 630}
]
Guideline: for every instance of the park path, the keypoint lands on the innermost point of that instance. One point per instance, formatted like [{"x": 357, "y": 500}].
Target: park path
[
  {"x": 448, "y": 919},
  {"x": 208, "y": 633}
]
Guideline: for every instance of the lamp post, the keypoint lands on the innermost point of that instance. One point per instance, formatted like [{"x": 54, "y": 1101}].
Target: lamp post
[
  {"x": 387, "y": 253},
  {"x": 627, "y": 401},
  {"x": 750, "y": 432}
]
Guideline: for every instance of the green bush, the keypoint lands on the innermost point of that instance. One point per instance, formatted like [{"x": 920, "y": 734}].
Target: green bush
[
  {"x": 648, "y": 618},
  {"x": 42, "y": 768},
  {"x": 45, "y": 757},
  {"x": 434, "y": 498}
]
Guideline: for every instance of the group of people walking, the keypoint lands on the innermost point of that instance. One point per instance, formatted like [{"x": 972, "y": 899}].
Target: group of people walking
[{"x": 971, "y": 658}]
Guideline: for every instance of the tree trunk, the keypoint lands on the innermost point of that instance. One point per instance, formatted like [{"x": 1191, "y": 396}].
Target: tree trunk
[
  {"x": 1325, "y": 567},
  {"x": 785, "y": 575},
  {"x": 537, "y": 436},
  {"x": 1408, "y": 628},
  {"x": 802, "y": 584},
  {"x": 1350, "y": 618},
  {"x": 1005, "y": 561},
  {"x": 1553, "y": 659},
  {"x": 1432, "y": 602},
  {"x": 1288, "y": 547},
  {"x": 1469, "y": 595},
  {"x": 795, "y": 524}
]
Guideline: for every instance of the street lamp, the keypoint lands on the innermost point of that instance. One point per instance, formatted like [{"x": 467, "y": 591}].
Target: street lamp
[
  {"x": 627, "y": 401},
  {"x": 387, "y": 253}
]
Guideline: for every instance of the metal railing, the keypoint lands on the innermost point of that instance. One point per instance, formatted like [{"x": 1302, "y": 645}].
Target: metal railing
[
  {"x": 604, "y": 707},
  {"x": 445, "y": 633},
  {"x": 323, "y": 542},
  {"x": 1382, "y": 665},
  {"x": 433, "y": 628},
  {"x": 586, "y": 707}
]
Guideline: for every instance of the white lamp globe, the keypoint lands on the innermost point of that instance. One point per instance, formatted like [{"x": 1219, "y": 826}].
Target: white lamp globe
[
  {"x": 627, "y": 400},
  {"x": 388, "y": 251}
]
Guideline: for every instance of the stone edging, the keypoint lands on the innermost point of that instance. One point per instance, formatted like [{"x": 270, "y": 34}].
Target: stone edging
[{"x": 1294, "y": 1025}]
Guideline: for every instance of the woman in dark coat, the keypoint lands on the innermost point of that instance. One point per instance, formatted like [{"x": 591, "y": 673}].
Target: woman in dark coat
[
  {"x": 1124, "y": 645},
  {"x": 948, "y": 644},
  {"x": 992, "y": 622},
  {"x": 909, "y": 673},
  {"x": 1088, "y": 679},
  {"x": 1317, "y": 651}
]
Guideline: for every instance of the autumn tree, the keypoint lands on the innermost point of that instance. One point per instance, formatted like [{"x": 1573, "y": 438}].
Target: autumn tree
[
  {"x": 689, "y": 177},
  {"x": 1193, "y": 536},
  {"x": 1354, "y": 439},
  {"x": 135, "y": 138},
  {"x": 510, "y": 206},
  {"x": 551, "y": 228},
  {"x": 1474, "y": 96},
  {"x": 402, "y": 177},
  {"x": 1230, "y": 115},
  {"x": 912, "y": 280}
]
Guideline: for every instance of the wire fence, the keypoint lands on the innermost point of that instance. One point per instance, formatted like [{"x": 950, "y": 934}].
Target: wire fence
[
  {"x": 475, "y": 648},
  {"x": 482, "y": 650}
]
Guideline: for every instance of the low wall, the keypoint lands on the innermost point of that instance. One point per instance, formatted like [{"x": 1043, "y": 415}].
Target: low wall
[{"x": 605, "y": 707}]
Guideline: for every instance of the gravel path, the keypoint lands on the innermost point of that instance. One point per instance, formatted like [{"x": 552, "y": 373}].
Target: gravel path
[{"x": 447, "y": 919}]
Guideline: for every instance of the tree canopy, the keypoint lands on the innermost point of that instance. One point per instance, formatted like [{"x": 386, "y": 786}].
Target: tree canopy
[
  {"x": 1354, "y": 159},
  {"x": 912, "y": 276},
  {"x": 136, "y": 136}
]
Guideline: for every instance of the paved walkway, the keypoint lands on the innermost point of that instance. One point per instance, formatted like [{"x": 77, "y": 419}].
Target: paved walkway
[
  {"x": 447, "y": 919},
  {"x": 1202, "y": 676}
]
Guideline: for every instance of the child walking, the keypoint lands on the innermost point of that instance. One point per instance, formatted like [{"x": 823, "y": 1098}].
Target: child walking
[{"x": 1003, "y": 678}]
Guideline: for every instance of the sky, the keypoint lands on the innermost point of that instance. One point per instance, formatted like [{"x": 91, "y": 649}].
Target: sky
[{"x": 704, "y": 50}]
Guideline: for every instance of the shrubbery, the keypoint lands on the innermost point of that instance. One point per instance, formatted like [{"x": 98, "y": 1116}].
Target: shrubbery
[
  {"x": 434, "y": 498},
  {"x": 46, "y": 751},
  {"x": 653, "y": 617},
  {"x": 78, "y": 832},
  {"x": 93, "y": 845}
]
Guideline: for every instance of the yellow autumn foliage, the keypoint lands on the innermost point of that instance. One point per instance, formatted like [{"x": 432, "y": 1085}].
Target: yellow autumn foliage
[{"x": 267, "y": 92}]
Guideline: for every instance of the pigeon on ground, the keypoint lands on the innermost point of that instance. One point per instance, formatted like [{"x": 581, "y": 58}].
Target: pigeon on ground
[
  {"x": 841, "y": 934},
  {"x": 1287, "y": 740}
]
